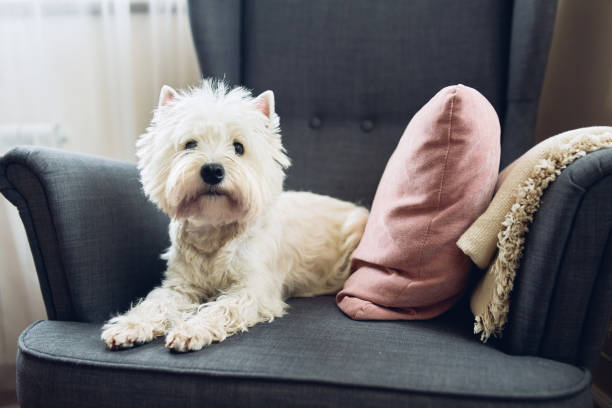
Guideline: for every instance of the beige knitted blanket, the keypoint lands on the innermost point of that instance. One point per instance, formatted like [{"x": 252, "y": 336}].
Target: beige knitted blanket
[{"x": 496, "y": 239}]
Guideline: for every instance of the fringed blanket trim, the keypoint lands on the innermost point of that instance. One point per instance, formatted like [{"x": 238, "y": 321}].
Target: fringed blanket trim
[{"x": 511, "y": 239}]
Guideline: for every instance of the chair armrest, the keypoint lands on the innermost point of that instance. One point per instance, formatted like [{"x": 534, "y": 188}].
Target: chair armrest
[
  {"x": 94, "y": 236},
  {"x": 562, "y": 297}
]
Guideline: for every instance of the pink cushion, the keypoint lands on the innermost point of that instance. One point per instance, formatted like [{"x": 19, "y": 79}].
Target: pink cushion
[{"x": 437, "y": 182}]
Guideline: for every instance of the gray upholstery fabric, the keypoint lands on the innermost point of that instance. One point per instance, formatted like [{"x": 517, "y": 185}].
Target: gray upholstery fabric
[
  {"x": 356, "y": 60},
  {"x": 532, "y": 29},
  {"x": 563, "y": 292},
  {"x": 348, "y": 76},
  {"x": 219, "y": 37},
  {"x": 28, "y": 195},
  {"x": 95, "y": 238},
  {"x": 354, "y": 73},
  {"x": 314, "y": 356}
]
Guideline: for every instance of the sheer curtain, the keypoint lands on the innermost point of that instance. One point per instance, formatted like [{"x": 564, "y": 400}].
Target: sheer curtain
[{"x": 80, "y": 75}]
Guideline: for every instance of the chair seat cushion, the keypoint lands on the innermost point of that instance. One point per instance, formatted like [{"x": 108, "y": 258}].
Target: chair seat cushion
[{"x": 314, "y": 356}]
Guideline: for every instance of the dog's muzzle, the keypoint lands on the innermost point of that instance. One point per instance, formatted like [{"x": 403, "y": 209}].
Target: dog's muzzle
[{"x": 212, "y": 174}]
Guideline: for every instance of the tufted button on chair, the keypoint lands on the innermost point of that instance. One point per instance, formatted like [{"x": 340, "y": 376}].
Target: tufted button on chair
[
  {"x": 315, "y": 122},
  {"x": 367, "y": 125}
]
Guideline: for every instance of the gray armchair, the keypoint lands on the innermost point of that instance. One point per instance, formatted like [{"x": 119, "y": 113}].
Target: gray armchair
[{"x": 348, "y": 76}]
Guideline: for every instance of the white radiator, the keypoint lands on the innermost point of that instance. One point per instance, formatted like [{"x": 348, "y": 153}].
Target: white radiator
[{"x": 39, "y": 134}]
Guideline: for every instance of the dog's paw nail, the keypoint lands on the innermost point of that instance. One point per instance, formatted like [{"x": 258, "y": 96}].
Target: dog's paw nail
[
  {"x": 114, "y": 344},
  {"x": 185, "y": 341},
  {"x": 121, "y": 335},
  {"x": 171, "y": 342}
]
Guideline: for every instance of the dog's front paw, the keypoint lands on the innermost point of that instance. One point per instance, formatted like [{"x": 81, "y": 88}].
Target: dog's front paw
[
  {"x": 191, "y": 337},
  {"x": 119, "y": 334}
]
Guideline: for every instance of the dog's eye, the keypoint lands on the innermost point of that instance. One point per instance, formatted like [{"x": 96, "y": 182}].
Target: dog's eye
[
  {"x": 192, "y": 144},
  {"x": 238, "y": 148}
]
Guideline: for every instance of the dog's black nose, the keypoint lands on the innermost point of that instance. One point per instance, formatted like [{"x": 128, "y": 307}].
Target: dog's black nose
[{"x": 212, "y": 173}]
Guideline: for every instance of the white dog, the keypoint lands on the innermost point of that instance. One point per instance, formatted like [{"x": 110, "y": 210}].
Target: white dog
[{"x": 212, "y": 159}]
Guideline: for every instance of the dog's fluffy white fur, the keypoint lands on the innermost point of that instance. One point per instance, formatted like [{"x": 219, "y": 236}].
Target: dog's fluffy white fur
[{"x": 242, "y": 246}]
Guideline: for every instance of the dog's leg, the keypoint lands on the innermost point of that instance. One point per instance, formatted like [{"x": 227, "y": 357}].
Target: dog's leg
[
  {"x": 233, "y": 312},
  {"x": 150, "y": 318}
]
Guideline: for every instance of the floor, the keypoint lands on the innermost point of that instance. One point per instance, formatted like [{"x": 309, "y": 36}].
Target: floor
[
  {"x": 602, "y": 377},
  {"x": 8, "y": 398}
]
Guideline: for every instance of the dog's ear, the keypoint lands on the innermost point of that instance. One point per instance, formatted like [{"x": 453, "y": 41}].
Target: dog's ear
[
  {"x": 166, "y": 95},
  {"x": 265, "y": 103}
]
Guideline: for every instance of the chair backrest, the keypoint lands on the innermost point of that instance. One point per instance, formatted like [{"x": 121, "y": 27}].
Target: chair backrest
[{"x": 348, "y": 76}]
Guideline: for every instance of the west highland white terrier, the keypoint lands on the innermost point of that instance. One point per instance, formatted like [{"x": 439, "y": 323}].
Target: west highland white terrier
[{"x": 213, "y": 160}]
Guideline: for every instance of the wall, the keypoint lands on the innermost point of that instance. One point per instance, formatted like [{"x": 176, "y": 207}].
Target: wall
[{"x": 577, "y": 87}]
